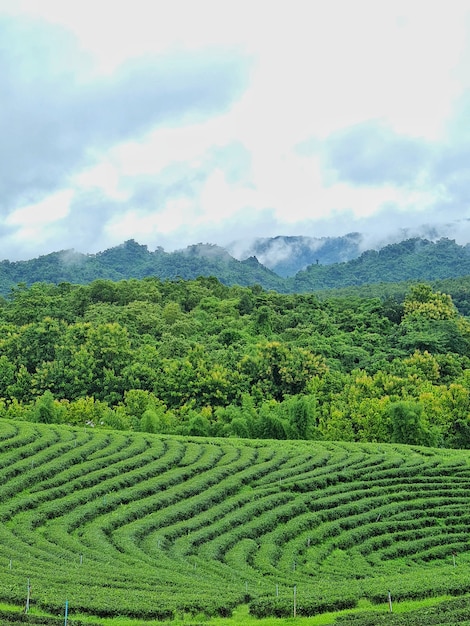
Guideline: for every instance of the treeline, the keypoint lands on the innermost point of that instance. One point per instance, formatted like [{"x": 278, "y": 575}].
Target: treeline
[
  {"x": 201, "y": 358},
  {"x": 411, "y": 260}
]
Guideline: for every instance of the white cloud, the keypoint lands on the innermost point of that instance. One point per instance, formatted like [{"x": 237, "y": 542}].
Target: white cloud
[
  {"x": 221, "y": 201},
  {"x": 53, "y": 208},
  {"x": 104, "y": 176},
  {"x": 166, "y": 147}
]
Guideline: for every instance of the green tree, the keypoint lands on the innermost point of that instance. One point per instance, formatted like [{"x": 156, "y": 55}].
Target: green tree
[
  {"x": 302, "y": 417},
  {"x": 84, "y": 411},
  {"x": 281, "y": 370},
  {"x": 7, "y": 376},
  {"x": 270, "y": 422},
  {"x": 21, "y": 389},
  {"x": 198, "y": 425},
  {"x": 408, "y": 426},
  {"x": 46, "y": 410},
  {"x": 149, "y": 422},
  {"x": 109, "y": 349}
]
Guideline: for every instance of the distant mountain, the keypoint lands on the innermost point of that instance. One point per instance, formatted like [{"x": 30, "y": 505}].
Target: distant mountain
[
  {"x": 411, "y": 260},
  {"x": 288, "y": 255}
]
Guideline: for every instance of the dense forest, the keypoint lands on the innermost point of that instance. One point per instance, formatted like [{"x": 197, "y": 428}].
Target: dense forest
[
  {"x": 411, "y": 260},
  {"x": 202, "y": 358}
]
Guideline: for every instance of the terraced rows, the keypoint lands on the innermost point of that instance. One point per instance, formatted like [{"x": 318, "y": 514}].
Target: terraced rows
[{"x": 151, "y": 526}]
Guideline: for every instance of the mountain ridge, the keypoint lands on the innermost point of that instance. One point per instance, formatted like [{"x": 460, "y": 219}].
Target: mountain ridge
[{"x": 415, "y": 259}]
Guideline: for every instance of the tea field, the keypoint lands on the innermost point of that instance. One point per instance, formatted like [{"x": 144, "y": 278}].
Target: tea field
[{"x": 160, "y": 527}]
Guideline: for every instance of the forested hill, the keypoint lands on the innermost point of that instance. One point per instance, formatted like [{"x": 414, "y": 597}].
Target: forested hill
[
  {"x": 413, "y": 259},
  {"x": 132, "y": 260}
]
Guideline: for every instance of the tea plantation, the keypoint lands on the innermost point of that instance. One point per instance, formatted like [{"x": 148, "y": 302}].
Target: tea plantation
[{"x": 160, "y": 527}]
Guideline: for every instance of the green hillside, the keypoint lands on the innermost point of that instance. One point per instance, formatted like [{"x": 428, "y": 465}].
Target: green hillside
[
  {"x": 150, "y": 526},
  {"x": 132, "y": 260},
  {"x": 410, "y": 260}
]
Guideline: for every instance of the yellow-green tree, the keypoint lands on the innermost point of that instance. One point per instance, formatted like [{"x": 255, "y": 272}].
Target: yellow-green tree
[{"x": 422, "y": 301}]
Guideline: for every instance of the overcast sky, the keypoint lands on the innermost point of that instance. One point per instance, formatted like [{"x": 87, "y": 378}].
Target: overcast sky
[{"x": 177, "y": 122}]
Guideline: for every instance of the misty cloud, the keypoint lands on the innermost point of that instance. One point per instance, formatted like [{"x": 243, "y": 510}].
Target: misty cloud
[
  {"x": 450, "y": 168},
  {"x": 450, "y": 172},
  {"x": 432, "y": 175},
  {"x": 57, "y": 116},
  {"x": 83, "y": 229},
  {"x": 372, "y": 154},
  {"x": 86, "y": 222},
  {"x": 275, "y": 251},
  {"x": 184, "y": 179},
  {"x": 235, "y": 160},
  {"x": 177, "y": 180},
  {"x": 96, "y": 221}
]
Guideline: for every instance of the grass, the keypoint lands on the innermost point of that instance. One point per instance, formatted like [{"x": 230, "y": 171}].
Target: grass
[{"x": 241, "y": 616}]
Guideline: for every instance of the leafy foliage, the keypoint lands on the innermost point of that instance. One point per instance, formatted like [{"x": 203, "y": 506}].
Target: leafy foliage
[{"x": 201, "y": 358}]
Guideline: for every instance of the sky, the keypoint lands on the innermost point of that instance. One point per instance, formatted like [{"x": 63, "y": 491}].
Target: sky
[{"x": 221, "y": 121}]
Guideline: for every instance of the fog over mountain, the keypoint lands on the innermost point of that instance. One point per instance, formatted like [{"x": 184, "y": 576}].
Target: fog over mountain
[
  {"x": 297, "y": 264},
  {"x": 286, "y": 255}
]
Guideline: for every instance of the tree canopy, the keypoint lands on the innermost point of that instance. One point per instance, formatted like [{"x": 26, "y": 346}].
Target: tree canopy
[{"x": 201, "y": 357}]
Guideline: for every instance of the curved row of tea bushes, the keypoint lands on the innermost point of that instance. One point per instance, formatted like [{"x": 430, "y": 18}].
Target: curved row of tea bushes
[{"x": 157, "y": 526}]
